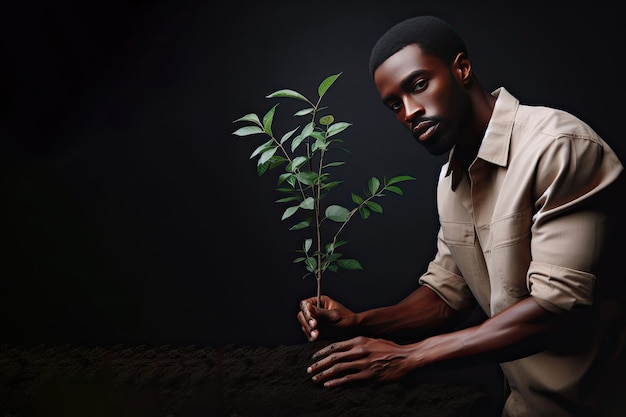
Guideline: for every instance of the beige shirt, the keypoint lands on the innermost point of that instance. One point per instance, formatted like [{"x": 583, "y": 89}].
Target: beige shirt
[{"x": 514, "y": 228}]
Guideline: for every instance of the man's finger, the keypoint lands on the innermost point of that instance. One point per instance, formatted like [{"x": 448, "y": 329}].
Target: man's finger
[{"x": 306, "y": 310}]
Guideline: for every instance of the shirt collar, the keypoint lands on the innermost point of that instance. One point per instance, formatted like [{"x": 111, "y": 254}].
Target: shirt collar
[{"x": 496, "y": 141}]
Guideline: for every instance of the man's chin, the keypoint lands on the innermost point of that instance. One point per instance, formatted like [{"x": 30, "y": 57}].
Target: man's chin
[{"x": 435, "y": 149}]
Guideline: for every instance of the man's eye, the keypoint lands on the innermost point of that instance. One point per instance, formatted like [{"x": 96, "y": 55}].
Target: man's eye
[
  {"x": 420, "y": 85},
  {"x": 395, "y": 106}
]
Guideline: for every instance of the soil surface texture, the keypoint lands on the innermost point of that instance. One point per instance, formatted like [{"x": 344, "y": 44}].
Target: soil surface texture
[{"x": 230, "y": 381}]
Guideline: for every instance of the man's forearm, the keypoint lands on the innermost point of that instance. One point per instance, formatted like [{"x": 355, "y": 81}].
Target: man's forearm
[
  {"x": 420, "y": 314},
  {"x": 522, "y": 329}
]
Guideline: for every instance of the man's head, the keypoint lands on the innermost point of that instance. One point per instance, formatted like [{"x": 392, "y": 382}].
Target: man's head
[
  {"x": 423, "y": 74},
  {"x": 434, "y": 36}
]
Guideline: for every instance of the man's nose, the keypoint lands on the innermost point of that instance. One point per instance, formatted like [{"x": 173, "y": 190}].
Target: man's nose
[{"x": 413, "y": 109}]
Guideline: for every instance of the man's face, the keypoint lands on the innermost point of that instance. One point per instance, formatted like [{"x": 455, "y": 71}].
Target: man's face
[{"x": 426, "y": 95}]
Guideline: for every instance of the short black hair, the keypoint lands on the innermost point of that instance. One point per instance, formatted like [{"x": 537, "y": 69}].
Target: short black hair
[{"x": 435, "y": 36}]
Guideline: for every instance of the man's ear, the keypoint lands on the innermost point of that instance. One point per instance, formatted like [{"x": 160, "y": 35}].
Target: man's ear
[{"x": 463, "y": 67}]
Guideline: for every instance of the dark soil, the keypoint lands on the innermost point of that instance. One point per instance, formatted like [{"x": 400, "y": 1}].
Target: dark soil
[{"x": 232, "y": 381}]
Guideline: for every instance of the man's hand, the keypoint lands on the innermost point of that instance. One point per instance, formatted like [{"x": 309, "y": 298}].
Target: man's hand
[
  {"x": 332, "y": 313},
  {"x": 360, "y": 358}
]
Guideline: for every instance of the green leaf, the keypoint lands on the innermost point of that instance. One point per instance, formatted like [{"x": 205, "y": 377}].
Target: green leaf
[
  {"x": 317, "y": 135},
  {"x": 327, "y": 120},
  {"x": 375, "y": 207},
  {"x": 248, "y": 130},
  {"x": 296, "y": 163},
  {"x": 325, "y": 85},
  {"x": 308, "y": 203},
  {"x": 399, "y": 179},
  {"x": 333, "y": 164},
  {"x": 394, "y": 189},
  {"x": 267, "y": 120},
  {"x": 300, "y": 259},
  {"x": 301, "y": 225},
  {"x": 365, "y": 213},
  {"x": 284, "y": 177},
  {"x": 307, "y": 177},
  {"x": 311, "y": 264},
  {"x": 349, "y": 264},
  {"x": 250, "y": 117},
  {"x": 262, "y": 148},
  {"x": 273, "y": 162},
  {"x": 332, "y": 246},
  {"x": 337, "y": 213},
  {"x": 357, "y": 198},
  {"x": 277, "y": 160},
  {"x": 307, "y": 245},
  {"x": 289, "y": 212},
  {"x": 319, "y": 143},
  {"x": 288, "y": 199},
  {"x": 334, "y": 256},
  {"x": 266, "y": 155},
  {"x": 304, "y": 112},
  {"x": 288, "y": 93},
  {"x": 331, "y": 185},
  {"x": 322, "y": 178},
  {"x": 287, "y": 135},
  {"x": 262, "y": 169},
  {"x": 296, "y": 142},
  {"x": 373, "y": 184},
  {"x": 307, "y": 130},
  {"x": 337, "y": 128}
]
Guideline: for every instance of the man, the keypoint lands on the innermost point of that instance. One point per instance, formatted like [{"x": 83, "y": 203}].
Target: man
[{"x": 522, "y": 203}]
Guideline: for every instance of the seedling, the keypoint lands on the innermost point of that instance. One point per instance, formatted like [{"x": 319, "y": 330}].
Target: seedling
[{"x": 306, "y": 180}]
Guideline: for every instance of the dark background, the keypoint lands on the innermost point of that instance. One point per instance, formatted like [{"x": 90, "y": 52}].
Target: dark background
[{"x": 131, "y": 214}]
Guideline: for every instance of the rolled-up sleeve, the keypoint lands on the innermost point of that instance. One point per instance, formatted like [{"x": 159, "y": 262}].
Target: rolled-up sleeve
[
  {"x": 568, "y": 230},
  {"x": 559, "y": 289},
  {"x": 443, "y": 277}
]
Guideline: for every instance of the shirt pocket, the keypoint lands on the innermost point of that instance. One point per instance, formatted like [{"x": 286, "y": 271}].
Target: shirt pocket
[
  {"x": 512, "y": 229},
  {"x": 458, "y": 233}
]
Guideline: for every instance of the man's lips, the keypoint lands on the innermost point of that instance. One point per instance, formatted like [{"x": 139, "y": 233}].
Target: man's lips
[{"x": 424, "y": 130}]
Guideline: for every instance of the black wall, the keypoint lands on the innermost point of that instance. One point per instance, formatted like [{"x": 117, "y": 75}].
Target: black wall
[{"x": 131, "y": 214}]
